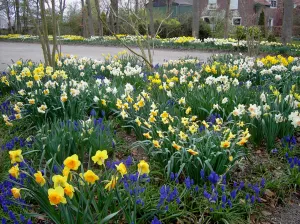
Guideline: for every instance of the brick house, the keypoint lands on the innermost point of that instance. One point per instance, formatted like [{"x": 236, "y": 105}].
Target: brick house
[
  {"x": 247, "y": 12},
  {"x": 242, "y": 12}
]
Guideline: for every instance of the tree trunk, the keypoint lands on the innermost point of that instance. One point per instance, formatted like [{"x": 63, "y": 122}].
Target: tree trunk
[
  {"x": 8, "y": 15},
  {"x": 45, "y": 33},
  {"x": 18, "y": 16},
  {"x": 226, "y": 22},
  {"x": 114, "y": 21},
  {"x": 136, "y": 6},
  {"x": 25, "y": 18},
  {"x": 54, "y": 35},
  {"x": 62, "y": 7},
  {"x": 37, "y": 12},
  {"x": 287, "y": 26},
  {"x": 90, "y": 18},
  {"x": 169, "y": 6},
  {"x": 83, "y": 20},
  {"x": 100, "y": 25},
  {"x": 196, "y": 17},
  {"x": 150, "y": 5}
]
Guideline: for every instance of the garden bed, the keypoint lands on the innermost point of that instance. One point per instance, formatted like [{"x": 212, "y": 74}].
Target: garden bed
[
  {"x": 179, "y": 43},
  {"x": 110, "y": 141}
]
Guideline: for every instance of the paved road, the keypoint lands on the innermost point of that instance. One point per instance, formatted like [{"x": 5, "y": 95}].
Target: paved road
[{"x": 13, "y": 51}]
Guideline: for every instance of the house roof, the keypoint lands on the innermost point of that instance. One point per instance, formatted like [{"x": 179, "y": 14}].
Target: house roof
[
  {"x": 159, "y": 3},
  {"x": 297, "y": 2},
  {"x": 183, "y": 2},
  {"x": 267, "y": 3},
  {"x": 263, "y": 2}
]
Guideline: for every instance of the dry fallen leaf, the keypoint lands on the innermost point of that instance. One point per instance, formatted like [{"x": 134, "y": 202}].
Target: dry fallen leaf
[{"x": 269, "y": 193}]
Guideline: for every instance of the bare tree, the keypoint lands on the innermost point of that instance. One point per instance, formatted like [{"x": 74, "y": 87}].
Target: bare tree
[
  {"x": 100, "y": 25},
  {"x": 90, "y": 18},
  {"x": 169, "y": 6},
  {"x": 83, "y": 19},
  {"x": 62, "y": 7},
  {"x": 8, "y": 6},
  {"x": 227, "y": 11},
  {"x": 17, "y": 2},
  {"x": 196, "y": 16},
  {"x": 287, "y": 26},
  {"x": 114, "y": 16},
  {"x": 150, "y": 6},
  {"x": 136, "y": 6},
  {"x": 49, "y": 56}
]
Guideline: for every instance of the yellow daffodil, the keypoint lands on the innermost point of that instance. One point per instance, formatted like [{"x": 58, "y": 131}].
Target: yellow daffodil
[
  {"x": 171, "y": 129},
  {"x": 16, "y": 192},
  {"x": 69, "y": 190},
  {"x": 185, "y": 121},
  {"x": 188, "y": 110},
  {"x": 242, "y": 142},
  {"x": 63, "y": 98},
  {"x": 164, "y": 114},
  {"x": 66, "y": 171},
  {"x": 231, "y": 136},
  {"x": 16, "y": 156},
  {"x": 100, "y": 157},
  {"x": 241, "y": 124},
  {"x": 143, "y": 167},
  {"x": 147, "y": 124},
  {"x": 121, "y": 168},
  {"x": 138, "y": 122},
  {"x": 192, "y": 152},
  {"x": 31, "y": 101},
  {"x": 59, "y": 180},
  {"x": 129, "y": 99},
  {"x": 112, "y": 183},
  {"x": 156, "y": 144},
  {"x": 39, "y": 178},
  {"x": 151, "y": 119},
  {"x": 182, "y": 101},
  {"x": 14, "y": 171},
  {"x": 90, "y": 177},
  {"x": 147, "y": 135},
  {"x": 72, "y": 162},
  {"x": 56, "y": 196},
  {"x": 177, "y": 147},
  {"x": 103, "y": 102},
  {"x": 160, "y": 134},
  {"x": 183, "y": 136},
  {"x": 225, "y": 144}
]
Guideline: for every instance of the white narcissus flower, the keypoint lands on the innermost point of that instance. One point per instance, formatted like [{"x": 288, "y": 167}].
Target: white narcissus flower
[
  {"x": 128, "y": 88},
  {"x": 277, "y": 77},
  {"x": 279, "y": 118},
  {"x": 263, "y": 97},
  {"x": 114, "y": 91},
  {"x": 216, "y": 106},
  {"x": 225, "y": 100},
  {"x": 295, "y": 119},
  {"x": 248, "y": 84},
  {"x": 169, "y": 93},
  {"x": 42, "y": 109},
  {"x": 124, "y": 114},
  {"x": 96, "y": 99}
]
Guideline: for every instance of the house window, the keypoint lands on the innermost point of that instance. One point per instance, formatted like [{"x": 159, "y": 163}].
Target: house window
[
  {"x": 234, "y": 4},
  {"x": 237, "y": 21},
  {"x": 212, "y": 4},
  {"x": 273, "y": 4},
  {"x": 211, "y": 21},
  {"x": 270, "y": 22}
]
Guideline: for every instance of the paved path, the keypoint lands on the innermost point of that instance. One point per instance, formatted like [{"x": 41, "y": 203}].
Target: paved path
[{"x": 13, "y": 51}]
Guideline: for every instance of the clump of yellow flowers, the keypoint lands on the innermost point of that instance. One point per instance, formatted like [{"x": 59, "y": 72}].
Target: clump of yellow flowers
[{"x": 62, "y": 184}]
